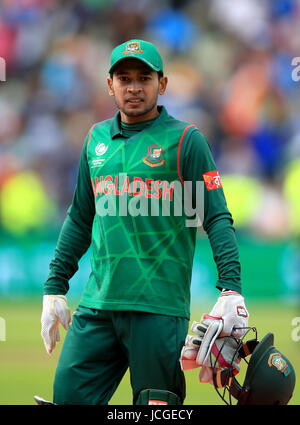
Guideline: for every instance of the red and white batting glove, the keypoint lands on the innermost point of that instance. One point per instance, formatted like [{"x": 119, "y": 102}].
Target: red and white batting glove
[
  {"x": 197, "y": 348},
  {"x": 230, "y": 307},
  {"x": 223, "y": 355},
  {"x": 55, "y": 311},
  {"x": 208, "y": 350}
]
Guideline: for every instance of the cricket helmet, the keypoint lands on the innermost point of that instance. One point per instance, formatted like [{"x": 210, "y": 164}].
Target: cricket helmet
[{"x": 269, "y": 379}]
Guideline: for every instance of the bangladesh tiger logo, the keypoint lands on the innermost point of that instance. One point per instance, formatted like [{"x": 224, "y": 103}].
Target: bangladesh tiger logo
[
  {"x": 133, "y": 48},
  {"x": 154, "y": 156},
  {"x": 276, "y": 360}
]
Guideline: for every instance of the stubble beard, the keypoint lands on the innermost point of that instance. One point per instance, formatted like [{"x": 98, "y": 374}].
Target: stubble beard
[{"x": 139, "y": 112}]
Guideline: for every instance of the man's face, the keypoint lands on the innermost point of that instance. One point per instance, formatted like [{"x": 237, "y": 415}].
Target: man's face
[{"x": 135, "y": 88}]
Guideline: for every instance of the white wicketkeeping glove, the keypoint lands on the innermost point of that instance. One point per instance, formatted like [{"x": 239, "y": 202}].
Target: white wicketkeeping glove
[
  {"x": 196, "y": 351},
  {"x": 55, "y": 311},
  {"x": 209, "y": 350},
  {"x": 230, "y": 307}
]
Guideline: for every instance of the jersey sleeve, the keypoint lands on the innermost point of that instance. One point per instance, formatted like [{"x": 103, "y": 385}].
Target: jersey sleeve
[
  {"x": 197, "y": 165},
  {"x": 75, "y": 235}
]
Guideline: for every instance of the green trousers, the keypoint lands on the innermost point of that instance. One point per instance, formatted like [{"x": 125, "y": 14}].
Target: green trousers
[{"x": 101, "y": 345}]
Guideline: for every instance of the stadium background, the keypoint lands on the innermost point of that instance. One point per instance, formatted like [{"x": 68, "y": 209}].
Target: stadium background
[{"x": 230, "y": 72}]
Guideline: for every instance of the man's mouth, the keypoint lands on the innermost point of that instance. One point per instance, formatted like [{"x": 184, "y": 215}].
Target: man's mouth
[{"x": 134, "y": 100}]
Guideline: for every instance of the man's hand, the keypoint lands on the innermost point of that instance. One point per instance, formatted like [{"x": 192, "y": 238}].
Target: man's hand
[
  {"x": 228, "y": 316},
  {"x": 55, "y": 311},
  {"x": 231, "y": 308}
]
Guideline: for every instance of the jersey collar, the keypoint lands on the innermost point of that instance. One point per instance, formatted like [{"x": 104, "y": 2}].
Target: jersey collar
[{"x": 115, "y": 128}]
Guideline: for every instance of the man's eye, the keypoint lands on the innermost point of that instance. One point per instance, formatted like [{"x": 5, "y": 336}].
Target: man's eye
[
  {"x": 145, "y": 78},
  {"x": 122, "y": 78}
]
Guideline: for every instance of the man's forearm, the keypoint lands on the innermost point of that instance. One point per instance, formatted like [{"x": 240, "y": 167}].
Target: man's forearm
[
  {"x": 224, "y": 246},
  {"x": 74, "y": 240}
]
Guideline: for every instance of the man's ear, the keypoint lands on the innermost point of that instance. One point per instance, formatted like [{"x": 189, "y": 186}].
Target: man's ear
[
  {"x": 111, "y": 91},
  {"x": 163, "y": 81}
]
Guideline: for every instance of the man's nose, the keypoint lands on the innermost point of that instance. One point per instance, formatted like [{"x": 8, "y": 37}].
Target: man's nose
[{"x": 134, "y": 87}]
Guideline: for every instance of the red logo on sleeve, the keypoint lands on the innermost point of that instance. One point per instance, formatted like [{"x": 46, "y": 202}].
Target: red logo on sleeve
[{"x": 212, "y": 180}]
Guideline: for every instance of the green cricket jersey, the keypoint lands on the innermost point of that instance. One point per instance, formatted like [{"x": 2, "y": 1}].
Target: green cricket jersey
[{"x": 137, "y": 192}]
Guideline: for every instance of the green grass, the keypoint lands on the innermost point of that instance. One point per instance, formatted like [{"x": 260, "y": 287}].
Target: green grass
[{"x": 26, "y": 369}]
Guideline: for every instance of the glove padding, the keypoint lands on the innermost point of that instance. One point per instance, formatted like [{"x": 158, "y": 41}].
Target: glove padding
[
  {"x": 230, "y": 307},
  {"x": 204, "y": 350},
  {"x": 224, "y": 355},
  {"x": 55, "y": 311},
  {"x": 196, "y": 349}
]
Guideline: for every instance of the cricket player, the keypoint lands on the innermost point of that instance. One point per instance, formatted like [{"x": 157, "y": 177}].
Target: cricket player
[{"x": 137, "y": 170}]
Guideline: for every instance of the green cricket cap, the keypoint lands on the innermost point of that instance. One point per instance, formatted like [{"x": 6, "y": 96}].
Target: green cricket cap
[{"x": 137, "y": 49}]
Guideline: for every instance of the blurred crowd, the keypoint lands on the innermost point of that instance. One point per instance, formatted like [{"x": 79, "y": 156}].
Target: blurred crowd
[{"x": 229, "y": 65}]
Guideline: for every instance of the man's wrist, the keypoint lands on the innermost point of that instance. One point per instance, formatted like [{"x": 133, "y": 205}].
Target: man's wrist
[
  {"x": 226, "y": 291},
  {"x": 54, "y": 289}
]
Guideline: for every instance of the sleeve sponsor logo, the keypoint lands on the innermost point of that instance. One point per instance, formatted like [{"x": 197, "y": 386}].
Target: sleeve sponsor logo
[{"x": 212, "y": 180}]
